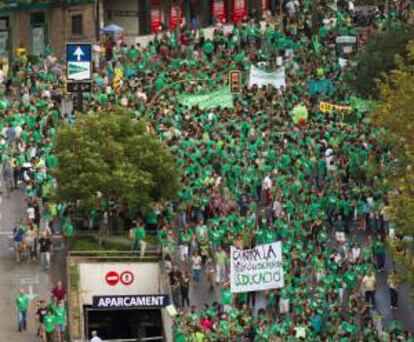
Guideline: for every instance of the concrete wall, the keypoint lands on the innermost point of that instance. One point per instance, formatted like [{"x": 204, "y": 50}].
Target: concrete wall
[
  {"x": 124, "y": 14},
  {"x": 89, "y": 27}
]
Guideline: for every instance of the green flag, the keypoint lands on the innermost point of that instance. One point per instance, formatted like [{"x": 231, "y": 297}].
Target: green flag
[
  {"x": 316, "y": 45},
  {"x": 218, "y": 98}
]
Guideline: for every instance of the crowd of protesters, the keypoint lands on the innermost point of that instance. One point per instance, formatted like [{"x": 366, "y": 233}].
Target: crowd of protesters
[{"x": 250, "y": 175}]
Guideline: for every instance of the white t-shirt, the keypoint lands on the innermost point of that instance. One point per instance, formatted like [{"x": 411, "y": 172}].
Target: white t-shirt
[
  {"x": 96, "y": 339},
  {"x": 196, "y": 262},
  {"x": 31, "y": 213}
]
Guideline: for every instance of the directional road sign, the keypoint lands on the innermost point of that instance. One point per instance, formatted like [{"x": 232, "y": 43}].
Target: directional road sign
[{"x": 79, "y": 62}]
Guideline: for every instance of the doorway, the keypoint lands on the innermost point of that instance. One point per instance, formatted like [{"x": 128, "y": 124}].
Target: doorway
[{"x": 127, "y": 324}]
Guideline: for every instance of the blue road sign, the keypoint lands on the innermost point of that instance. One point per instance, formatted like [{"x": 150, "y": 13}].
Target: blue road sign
[
  {"x": 79, "y": 62},
  {"x": 78, "y": 53}
]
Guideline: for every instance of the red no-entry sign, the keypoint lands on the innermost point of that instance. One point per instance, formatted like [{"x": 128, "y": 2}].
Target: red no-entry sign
[
  {"x": 112, "y": 278},
  {"x": 127, "y": 278}
]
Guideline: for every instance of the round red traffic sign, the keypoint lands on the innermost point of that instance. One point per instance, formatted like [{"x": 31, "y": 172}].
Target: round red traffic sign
[
  {"x": 112, "y": 278},
  {"x": 127, "y": 278}
]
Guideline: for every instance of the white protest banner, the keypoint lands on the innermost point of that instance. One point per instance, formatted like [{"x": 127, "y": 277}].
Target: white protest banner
[
  {"x": 263, "y": 78},
  {"x": 256, "y": 269},
  {"x": 345, "y": 40}
]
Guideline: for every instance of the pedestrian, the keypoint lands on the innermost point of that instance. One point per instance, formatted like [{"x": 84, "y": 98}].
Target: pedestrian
[
  {"x": 175, "y": 276},
  {"x": 393, "y": 283},
  {"x": 60, "y": 320},
  {"x": 41, "y": 312},
  {"x": 18, "y": 237},
  {"x": 59, "y": 291},
  {"x": 210, "y": 270},
  {"x": 95, "y": 337},
  {"x": 196, "y": 267},
  {"x": 185, "y": 289},
  {"x": 138, "y": 235},
  {"x": 221, "y": 259},
  {"x": 369, "y": 286},
  {"x": 49, "y": 326},
  {"x": 22, "y": 305},
  {"x": 45, "y": 248},
  {"x": 30, "y": 241}
]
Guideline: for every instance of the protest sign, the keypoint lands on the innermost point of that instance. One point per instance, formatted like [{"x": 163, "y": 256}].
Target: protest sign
[
  {"x": 328, "y": 108},
  {"x": 219, "y": 98},
  {"x": 362, "y": 105},
  {"x": 345, "y": 40},
  {"x": 324, "y": 86},
  {"x": 256, "y": 269},
  {"x": 263, "y": 78}
]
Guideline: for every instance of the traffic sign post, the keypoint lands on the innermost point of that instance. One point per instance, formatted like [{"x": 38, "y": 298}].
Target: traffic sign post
[
  {"x": 112, "y": 278},
  {"x": 79, "y": 70},
  {"x": 126, "y": 278}
]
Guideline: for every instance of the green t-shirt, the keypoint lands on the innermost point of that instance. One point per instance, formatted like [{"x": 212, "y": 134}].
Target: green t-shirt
[
  {"x": 22, "y": 302},
  {"x": 139, "y": 233},
  {"x": 49, "y": 323},
  {"x": 60, "y": 315},
  {"x": 226, "y": 297}
]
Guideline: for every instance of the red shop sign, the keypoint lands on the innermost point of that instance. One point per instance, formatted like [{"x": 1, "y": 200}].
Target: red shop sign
[
  {"x": 219, "y": 10},
  {"x": 155, "y": 16},
  {"x": 239, "y": 11},
  {"x": 176, "y": 16}
]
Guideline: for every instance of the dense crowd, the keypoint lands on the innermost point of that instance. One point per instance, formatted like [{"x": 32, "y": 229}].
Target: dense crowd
[{"x": 250, "y": 174}]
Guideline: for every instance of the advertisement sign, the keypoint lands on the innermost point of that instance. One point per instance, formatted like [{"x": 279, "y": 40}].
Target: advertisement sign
[
  {"x": 239, "y": 10},
  {"x": 132, "y": 301},
  {"x": 256, "y": 269},
  {"x": 219, "y": 10},
  {"x": 263, "y": 78},
  {"x": 176, "y": 16}
]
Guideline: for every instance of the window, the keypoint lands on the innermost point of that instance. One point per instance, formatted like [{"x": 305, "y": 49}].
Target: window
[
  {"x": 77, "y": 25},
  {"x": 37, "y": 18}
]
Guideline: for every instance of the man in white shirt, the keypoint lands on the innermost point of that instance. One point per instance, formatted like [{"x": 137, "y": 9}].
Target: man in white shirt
[{"x": 95, "y": 337}]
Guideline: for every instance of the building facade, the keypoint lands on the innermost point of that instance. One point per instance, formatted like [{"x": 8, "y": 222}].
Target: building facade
[{"x": 37, "y": 25}]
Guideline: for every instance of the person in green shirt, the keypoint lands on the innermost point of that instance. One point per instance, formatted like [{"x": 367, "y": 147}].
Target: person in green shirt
[
  {"x": 60, "y": 320},
  {"x": 49, "y": 325},
  {"x": 22, "y": 305},
  {"x": 138, "y": 235}
]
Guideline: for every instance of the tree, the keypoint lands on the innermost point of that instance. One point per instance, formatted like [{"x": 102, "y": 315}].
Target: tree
[
  {"x": 379, "y": 57},
  {"x": 109, "y": 157},
  {"x": 397, "y": 116}
]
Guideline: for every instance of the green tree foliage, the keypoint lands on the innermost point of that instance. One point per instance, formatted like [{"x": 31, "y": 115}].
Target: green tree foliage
[
  {"x": 379, "y": 57},
  {"x": 397, "y": 116},
  {"x": 110, "y": 157}
]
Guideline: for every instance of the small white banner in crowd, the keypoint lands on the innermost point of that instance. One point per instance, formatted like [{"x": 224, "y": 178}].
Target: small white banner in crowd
[
  {"x": 263, "y": 78},
  {"x": 256, "y": 269}
]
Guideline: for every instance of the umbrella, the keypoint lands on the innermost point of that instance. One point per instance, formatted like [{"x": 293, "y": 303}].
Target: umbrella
[{"x": 112, "y": 29}]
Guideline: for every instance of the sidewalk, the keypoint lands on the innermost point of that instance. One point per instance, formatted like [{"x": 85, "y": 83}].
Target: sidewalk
[{"x": 14, "y": 276}]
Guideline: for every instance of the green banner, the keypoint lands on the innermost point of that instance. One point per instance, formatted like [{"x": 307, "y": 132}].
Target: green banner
[{"x": 218, "y": 98}]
